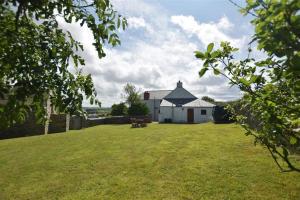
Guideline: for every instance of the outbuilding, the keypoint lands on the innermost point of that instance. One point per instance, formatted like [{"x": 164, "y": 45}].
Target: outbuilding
[
  {"x": 178, "y": 106},
  {"x": 196, "y": 111}
]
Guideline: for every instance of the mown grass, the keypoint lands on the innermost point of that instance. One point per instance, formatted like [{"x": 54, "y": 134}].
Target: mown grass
[{"x": 205, "y": 161}]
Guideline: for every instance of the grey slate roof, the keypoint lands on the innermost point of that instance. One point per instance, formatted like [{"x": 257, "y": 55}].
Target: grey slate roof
[
  {"x": 158, "y": 94},
  {"x": 180, "y": 102},
  {"x": 199, "y": 103},
  {"x": 180, "y": 93},
  {"x": 179, "y": 97}
]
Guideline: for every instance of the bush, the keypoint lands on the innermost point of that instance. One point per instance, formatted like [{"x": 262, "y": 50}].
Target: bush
[
  {"x": 221, "y": 115},
  {"x": 137, "y": 109},
  {"x": 119, "y": 109}
]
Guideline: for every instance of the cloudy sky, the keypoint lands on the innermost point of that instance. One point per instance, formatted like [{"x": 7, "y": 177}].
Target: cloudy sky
[{"x": 157, "y": 47}]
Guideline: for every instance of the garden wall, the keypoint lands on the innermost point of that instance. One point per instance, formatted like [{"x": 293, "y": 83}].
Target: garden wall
[
  {"x": 58, "y": 123},
  {"x": 28, "y": 128},
  {"x": 62, "y": 123},
  {"x": 77, "y": 123}
]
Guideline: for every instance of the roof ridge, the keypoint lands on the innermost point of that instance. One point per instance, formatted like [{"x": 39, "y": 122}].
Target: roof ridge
[{"x": 156, "y": 90}]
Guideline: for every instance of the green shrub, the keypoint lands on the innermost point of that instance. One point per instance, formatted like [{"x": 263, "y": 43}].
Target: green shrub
[
  {"x": 221, "y": 115},
  {"x": 138, "y": 109},
  {"x": 119, "y": 109}
]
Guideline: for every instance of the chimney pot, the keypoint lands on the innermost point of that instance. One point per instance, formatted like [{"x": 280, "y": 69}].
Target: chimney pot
[
  {"x": 179, "y": 84},
  {"x": 146, "y": 95}
]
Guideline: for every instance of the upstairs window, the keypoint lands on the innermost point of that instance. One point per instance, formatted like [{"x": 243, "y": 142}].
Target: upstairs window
[{"x": 203, "y": 112}]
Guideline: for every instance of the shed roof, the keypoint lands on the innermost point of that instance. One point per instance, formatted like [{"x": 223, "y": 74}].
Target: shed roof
[
  {"x": 195, "y": 103},
  {"x": 199, "y": 103}
]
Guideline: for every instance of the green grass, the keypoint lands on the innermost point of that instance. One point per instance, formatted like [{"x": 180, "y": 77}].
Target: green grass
[{"x": 205, "y": 161}]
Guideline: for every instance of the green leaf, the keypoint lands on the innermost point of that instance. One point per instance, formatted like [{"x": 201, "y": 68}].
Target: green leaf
[
  {"x": 210, "y": 47},
  {"x": 216, "y": 71},
  {"x": 199, "y": 54},
  {"x": 293, "y": 140},
  {"x": 244, "y": 81},
  {"x": 253, "y": 78},
  {"x": 215, "y": 54},
  {"x": 202, "y": 71}
]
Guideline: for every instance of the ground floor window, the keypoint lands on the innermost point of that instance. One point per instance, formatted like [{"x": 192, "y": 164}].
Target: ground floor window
[{"x": 203, "y": 112}]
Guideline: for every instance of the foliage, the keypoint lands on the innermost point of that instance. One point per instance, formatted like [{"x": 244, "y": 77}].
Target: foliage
[
  {"x": 271, "y": 86},
  {"x": 36, "y": 54},
  {"x": 131, "y": 94},
  {"x": 137, "y": 109},
  {"x": 221, "y": 115},
  {"x": 170, "y": 161},
  {"x": 119, "y": 109},
  {"x": 208, "y": 99}
]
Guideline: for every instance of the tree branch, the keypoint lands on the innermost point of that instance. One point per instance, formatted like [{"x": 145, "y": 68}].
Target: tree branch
[{"x": 254, "y": 15}]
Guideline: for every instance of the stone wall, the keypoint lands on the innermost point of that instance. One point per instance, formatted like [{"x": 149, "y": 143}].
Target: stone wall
[
  {"x": 58, "y": 123},
  {"x": 62, "y": 123},
  {"x": 77, "y": 123},
  {"x": 28, "y": 128}
]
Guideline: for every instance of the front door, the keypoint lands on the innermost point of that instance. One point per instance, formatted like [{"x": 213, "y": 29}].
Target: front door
[{"x": 190, "y": 115}]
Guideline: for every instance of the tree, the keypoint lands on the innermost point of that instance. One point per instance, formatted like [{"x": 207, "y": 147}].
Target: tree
[
  {"x": 271, "y": 86},
  {"x": 208, "y": 99},
  {"x": 137, "y": 109},
  {"x": 131, "y": 94},
  {"x": 35, "y": 54},
  {"x": 119, "y": 109},
  {"x": 221, "y": 115}
]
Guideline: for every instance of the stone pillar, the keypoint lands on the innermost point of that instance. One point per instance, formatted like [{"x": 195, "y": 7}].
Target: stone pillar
[
  {"x": 67, "y": 122},
  {"x": 48, "y": 115}
]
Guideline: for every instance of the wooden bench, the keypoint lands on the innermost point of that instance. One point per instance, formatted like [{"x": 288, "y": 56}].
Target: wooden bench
[{"x": 138, "y": 123}]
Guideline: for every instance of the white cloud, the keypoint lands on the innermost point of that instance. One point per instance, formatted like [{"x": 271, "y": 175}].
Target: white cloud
[
  {"x": 136, "y": 22},
  {"x": 208, "y": 32},
  {"x": 158, "y": 57},
  {"x": 225, "y": 24}
]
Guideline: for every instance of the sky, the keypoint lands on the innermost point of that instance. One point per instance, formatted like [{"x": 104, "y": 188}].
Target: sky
[{"x": 157, "y": 48}]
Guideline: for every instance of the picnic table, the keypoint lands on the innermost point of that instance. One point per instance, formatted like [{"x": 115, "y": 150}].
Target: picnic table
[{"x": 138, "y": 123}]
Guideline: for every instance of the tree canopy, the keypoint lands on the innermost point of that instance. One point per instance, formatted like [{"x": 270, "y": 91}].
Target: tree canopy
[
  {"x": 208, "y": 99},
  {"x": 36, "y": 53},
  {"x": 271, "y": 86},
  {"x": 131, "y": 94}
]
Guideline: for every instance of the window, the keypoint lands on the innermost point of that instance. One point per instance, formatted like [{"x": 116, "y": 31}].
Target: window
[{"x": 203, "y": 112}]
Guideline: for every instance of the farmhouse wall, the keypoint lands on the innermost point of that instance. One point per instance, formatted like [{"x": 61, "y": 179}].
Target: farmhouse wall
[
  {"x": 203, "y": 118},
  {"x": 153, "y": 106},
  {"x": 179, "y": 114}
]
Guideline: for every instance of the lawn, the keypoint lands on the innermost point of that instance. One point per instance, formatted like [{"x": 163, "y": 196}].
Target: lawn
[{"x": 205, "y": 161}]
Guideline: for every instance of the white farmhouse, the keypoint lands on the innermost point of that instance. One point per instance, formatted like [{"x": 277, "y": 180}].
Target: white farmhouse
[{"x": 178, "y": 106}]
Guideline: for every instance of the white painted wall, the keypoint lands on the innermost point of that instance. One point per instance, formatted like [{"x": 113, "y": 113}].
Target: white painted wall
[
  {"x": 198, "y": 118},
  {"x": 165, "y": 113},
  {"x": 179, "y": 114},
  {"x": 153, "y": 106}
]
